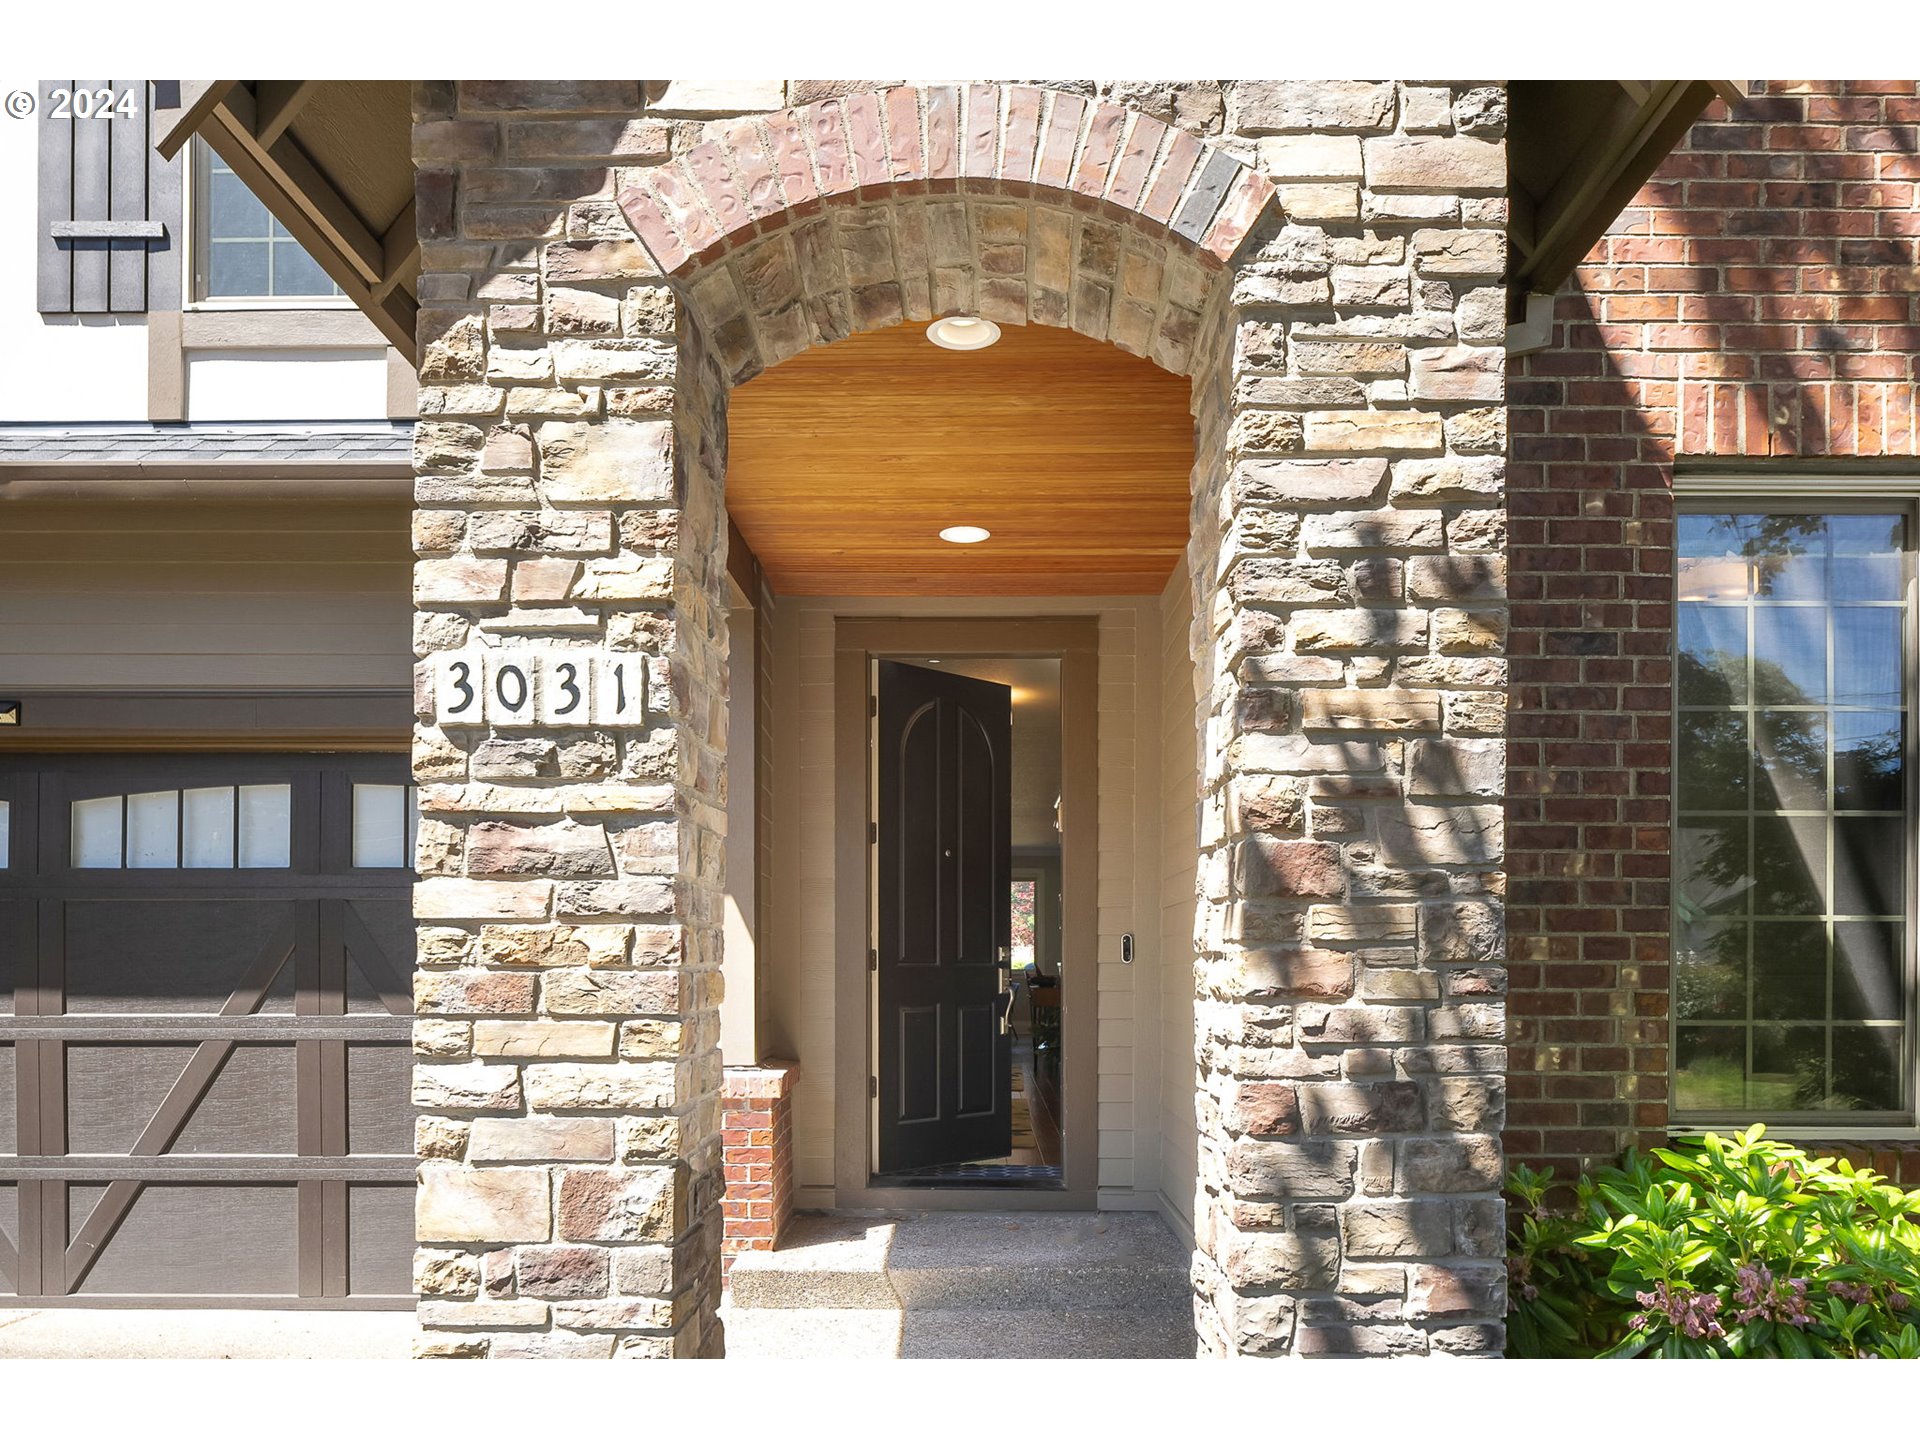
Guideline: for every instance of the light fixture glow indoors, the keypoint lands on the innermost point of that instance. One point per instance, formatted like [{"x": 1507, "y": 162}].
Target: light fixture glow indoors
[
  {"x": 965, "y": 534},
  {"x": 963, "y": 332}
]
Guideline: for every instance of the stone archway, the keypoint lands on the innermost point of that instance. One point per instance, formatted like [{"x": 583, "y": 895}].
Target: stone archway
[
  {"x": 1348, "y": 563},
  {"x": 1020, "y": 204}
]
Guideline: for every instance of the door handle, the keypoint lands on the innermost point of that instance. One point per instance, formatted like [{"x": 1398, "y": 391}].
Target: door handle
[{"x": 1005, "y": 966}]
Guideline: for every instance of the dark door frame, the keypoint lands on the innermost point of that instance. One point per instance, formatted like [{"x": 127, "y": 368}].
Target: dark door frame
[{"x": 1075, "y": 642}]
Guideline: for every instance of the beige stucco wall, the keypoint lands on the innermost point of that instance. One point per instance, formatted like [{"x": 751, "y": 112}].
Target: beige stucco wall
[
  {"x": 798, "y": 943},
  {"x": 127, "y": 595},
  {"x": 1178, "y": 854}
]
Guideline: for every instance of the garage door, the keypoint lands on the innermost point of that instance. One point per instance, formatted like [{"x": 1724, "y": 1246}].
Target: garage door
[{"x": 205, "y": 971}]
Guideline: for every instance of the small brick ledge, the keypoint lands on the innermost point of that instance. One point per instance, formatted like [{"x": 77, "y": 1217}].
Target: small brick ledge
[
  {"x": 757, "y": 1142},
  {"x": 759, "y": 174}
]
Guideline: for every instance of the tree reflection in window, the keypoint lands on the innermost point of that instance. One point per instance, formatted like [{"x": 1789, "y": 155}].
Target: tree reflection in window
[{"x": 1790, "y": 846}]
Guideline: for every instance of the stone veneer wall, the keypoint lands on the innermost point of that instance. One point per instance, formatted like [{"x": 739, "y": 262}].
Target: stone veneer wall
[
  {"x": 569, "y": 490},
  {"x": 1348, "y": 570}
]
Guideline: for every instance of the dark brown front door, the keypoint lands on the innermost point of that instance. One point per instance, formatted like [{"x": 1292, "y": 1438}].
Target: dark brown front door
[
  {"x": 944, "y": 879},
  {"x": 205, "y": 974}
]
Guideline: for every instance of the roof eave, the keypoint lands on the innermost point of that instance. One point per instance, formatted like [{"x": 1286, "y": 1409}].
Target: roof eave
[{"x": 1550, "y": 233}]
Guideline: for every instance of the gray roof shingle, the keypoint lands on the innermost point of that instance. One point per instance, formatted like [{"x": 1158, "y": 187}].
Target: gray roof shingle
[{"x": 378, "y": 443}]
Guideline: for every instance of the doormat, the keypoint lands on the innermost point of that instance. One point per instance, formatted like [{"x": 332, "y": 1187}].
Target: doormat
[{"x": 980, "y": 1172}]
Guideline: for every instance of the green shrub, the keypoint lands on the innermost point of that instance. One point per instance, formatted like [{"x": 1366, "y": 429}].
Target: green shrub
[{"x": 1721, "y": 1246}]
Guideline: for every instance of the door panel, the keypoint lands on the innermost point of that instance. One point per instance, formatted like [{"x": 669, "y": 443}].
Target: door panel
[
  {"x": 379, "y": 1099},
  {"x": 380, "y": 1238},
  {"x": 943, "y": 872},
  {"x": 229, "y": 1240},
  {"x": 917, "y": 836},
  {"x": 9, "y": 1238},
  {"x": 917, "y": 1082},
  {"x": 208, "y": 1032},
  {"x": 983, "y": 828},
  {"x": 980, "y": 1085},
  {"x": 114, "y": 1092},
  {"x": 159, "y": 956}
]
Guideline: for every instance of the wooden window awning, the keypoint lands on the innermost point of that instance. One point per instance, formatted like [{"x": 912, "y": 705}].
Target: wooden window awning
[{"x": 331, "y": 161}]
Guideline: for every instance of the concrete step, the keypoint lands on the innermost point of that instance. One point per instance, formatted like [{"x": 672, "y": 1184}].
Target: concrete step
[
  {"x": 1135, "y": 1333},
  {"x": 932, "y": 1261},
  {"x": 802, "y": 1333},
  {"x": 824, "y": 1262}
]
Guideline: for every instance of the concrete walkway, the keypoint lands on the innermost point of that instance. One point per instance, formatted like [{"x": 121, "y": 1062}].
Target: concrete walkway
[
  {"x": 205, "y": 1335},
  {"x": 920, "y": 1285},
  {"x": 908, "y": 1285}
]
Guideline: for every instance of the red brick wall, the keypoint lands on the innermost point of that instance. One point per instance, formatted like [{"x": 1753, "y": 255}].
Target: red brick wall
[
  {"x": 1760, "y": 298},
  {"x": 757, "y": 1144}
]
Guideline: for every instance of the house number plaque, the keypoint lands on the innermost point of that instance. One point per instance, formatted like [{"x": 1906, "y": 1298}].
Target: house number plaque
[{"x": 540, "y": 687}]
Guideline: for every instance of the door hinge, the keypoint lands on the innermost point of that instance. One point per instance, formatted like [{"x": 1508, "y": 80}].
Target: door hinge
[
  {"x": 873, "y": 832},
  {"x": 873, "y": 959},
  {"x": 873, "y": 1087},
  {"x": 873, "y": 705}
]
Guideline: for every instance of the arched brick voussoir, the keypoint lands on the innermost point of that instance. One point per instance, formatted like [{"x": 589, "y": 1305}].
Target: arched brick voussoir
[
  {"x": 749, "y": 177},
  {"x": 1013, "y": 259}
]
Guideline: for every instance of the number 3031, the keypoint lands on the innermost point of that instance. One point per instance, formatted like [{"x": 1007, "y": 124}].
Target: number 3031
[{"x": 527, "y": 687}]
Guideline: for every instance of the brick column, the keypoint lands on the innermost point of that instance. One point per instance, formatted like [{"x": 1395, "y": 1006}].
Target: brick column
[
  {"x": 1349, "y": 592},
  {"x": 757, "y": 1136},
  {"x": 568, "y": 495}
]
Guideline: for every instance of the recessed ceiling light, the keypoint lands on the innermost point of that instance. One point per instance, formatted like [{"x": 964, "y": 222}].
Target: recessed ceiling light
[
  {"x": 963, "y": 332},
  {"x": 965, "y": 534}
]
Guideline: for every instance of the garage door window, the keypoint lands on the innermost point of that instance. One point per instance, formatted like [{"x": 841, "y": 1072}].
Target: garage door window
[
  {"x": 224, "y": 827},
  {"x": 383, "y": 826}
]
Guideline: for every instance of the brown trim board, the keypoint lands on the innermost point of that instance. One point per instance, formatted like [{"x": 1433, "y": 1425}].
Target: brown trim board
[{"x": 187, "y": 720}]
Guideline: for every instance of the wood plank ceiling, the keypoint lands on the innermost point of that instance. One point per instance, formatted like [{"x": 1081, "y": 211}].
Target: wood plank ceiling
[{"x": 847, "y": 461}]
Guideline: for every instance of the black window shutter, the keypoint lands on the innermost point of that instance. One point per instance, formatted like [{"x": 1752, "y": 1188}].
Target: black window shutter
[{"x": 109, "y": 205}]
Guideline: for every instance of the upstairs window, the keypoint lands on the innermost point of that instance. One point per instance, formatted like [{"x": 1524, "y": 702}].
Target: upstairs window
[
  {"x": 1794, "y": 857},
  {"x": 241, "y": 252}
]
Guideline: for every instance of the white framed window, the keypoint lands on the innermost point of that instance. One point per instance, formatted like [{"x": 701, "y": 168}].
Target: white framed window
[
  {"x": 1794, "y": 845},
  {"x": 241, "y": 255}
]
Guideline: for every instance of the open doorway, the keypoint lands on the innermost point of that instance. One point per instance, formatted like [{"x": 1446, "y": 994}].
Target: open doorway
[
  {"x": 968, "y": 975},
  {"x": 844, "y": 466},
  {"x": 976, "y": 1066}
]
